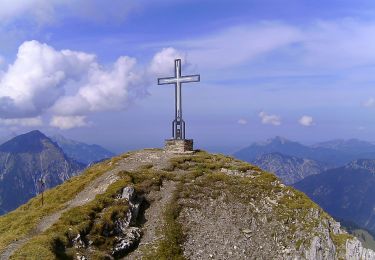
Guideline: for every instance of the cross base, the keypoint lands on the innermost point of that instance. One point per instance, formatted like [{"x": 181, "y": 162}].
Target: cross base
[{"x": 183, "y": 146}]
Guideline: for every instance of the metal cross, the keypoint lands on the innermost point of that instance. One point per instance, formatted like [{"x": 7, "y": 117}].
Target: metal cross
[{"x": 178, "y": 124}]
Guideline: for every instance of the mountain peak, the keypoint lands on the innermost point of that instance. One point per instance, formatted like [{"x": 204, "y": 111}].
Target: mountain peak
[
  {"x": 274, "y": 140},
  {"x": 280, "y": 139},
  {"x": 29, "y": 142}
]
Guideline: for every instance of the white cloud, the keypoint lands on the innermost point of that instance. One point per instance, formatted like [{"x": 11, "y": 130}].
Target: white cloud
[
  {"x": 40, "y": 9},
  {"x": 68, "y": 122},
  {"x": 110, "y": 89},
  {"x": 339, "y": 43},
  {"x": 36, "y": 79},
  {"x": 31, "y": 121},
  {"x": 240, "y": 44},
  {"x": 242, "y": 121},
  {"x": 48, "y": 11},
  {"x": 369, "y": 102},
  {"x": 322, "y": 45},
  {"x": 306, "y": 121},
  {"x": 70, "y": 85},
  {"x": 269, "y": 119},
  {"x": 161, "y": 64}
]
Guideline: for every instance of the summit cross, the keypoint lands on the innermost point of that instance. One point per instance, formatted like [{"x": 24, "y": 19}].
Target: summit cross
[{"x": 178, "y": 124}]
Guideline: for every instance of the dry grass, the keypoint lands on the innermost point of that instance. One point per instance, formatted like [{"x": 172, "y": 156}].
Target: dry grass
[{"x": 24, "y": 219}]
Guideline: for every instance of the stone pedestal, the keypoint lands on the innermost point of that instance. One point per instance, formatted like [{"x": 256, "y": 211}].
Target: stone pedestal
[{"x": 179, "y": 146}]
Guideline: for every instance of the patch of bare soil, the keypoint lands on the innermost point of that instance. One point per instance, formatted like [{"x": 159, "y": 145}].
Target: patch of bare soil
[{"x": 154, "y": 217}]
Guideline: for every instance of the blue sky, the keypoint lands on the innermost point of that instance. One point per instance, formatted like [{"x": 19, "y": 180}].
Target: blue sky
[{"x": 87, "y": 69}]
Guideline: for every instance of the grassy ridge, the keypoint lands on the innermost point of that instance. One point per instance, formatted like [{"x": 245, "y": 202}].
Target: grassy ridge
[
  {"x": 54, "y": 241},
  {"x": 198, "y": 176},
  {"x": 30, "y": 213},
  {"x": 90, "y": 220}
]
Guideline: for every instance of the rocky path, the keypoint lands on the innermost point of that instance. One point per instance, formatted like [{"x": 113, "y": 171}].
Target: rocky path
[
  {"x": 154, "y": 217},
  {"x": 136, "y": 160}
]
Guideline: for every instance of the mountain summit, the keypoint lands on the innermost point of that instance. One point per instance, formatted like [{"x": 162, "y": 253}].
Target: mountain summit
[
  {"x": 27, "y": 159},
  {"x": 32, "y": 142},
  {"x": 151, "y": 204}
]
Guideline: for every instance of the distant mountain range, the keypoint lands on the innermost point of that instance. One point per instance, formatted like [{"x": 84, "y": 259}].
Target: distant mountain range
[
  {"x": 81, "y": 152},
  {"x": 333, "y": 153},
  {"x": 347, "y": 193},
  {"x": 27, "y": 159},
  {"x": 289, "y": 168}
]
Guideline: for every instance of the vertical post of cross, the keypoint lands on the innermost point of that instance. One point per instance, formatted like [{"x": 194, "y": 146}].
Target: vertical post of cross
[{"x": 178, "y": 124}]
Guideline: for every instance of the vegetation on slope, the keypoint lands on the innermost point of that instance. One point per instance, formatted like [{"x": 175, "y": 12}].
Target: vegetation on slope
[
  {"x": 23, "y": 220},
  {"x": 92, "y": 220},
  {"x": 200, "y": 177}
]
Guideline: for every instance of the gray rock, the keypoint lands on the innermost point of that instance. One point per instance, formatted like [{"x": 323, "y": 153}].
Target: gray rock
[
  {"x": 127, "y": 237},
  {"x": 355, "y": 251},
  {"x": 77, "y": 242},
  {"x": 127, "y": 241}
]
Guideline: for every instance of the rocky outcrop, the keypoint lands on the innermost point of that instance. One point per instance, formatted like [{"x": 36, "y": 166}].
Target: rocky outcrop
[
  {"x": 355, "y": 250},
  {"x": 127, "y": 237}
]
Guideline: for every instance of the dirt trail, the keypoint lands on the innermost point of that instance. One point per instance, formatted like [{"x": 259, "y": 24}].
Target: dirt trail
[
  {"x": 158, "y": 158},
  {"x": 154, "y": 217}
]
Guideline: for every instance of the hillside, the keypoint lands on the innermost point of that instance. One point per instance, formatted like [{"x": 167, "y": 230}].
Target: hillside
[
  {"x": 24, "y": 160},
  {"x": 154, "y": 205},
  {"x": 82, "y": 152},
  {"x": 289, "y": 169},
  {"x": 347, "y": 192}
]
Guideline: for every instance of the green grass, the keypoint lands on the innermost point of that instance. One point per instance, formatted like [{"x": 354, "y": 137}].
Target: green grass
[
  {"x": 91, "y": 220},
  {"x": 79, "y": 220},
  {"x": 30, "y": 213}
]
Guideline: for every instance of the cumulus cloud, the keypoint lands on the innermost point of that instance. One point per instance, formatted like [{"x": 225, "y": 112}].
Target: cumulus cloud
[
  {"x": 36, "y": 79},
  {"x": 31, "y": 121},
  {"x": 369, "y": 102},
  {"x": 161, "y": 63},
  {"x": 269, "y": 119},
  {"x": 70, "y": 85},
  {"x": 103, "y": 89},
  {"x": 68, "y": 122},
  {"x": 306, "y": 121},
  {"x": 242, "y": 121}
]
